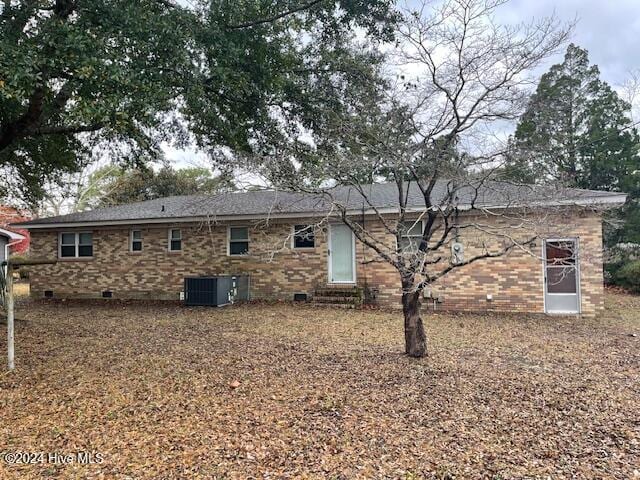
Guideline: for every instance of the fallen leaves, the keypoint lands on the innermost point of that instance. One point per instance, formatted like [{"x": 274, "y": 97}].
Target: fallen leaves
[{"x": 279, "y": 391}]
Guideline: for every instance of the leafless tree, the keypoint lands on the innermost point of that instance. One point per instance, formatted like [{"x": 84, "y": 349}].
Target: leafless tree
[
  {"x": 630, "y": 92},
  {"x": 432, "y": 134}
]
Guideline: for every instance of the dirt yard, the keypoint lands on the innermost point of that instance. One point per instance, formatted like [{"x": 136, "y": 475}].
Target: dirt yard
[{"x": 295, "y": 392}]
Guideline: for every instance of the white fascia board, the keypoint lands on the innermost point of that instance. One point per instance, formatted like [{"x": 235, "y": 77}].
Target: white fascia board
[{"x": 11, "y": 235}]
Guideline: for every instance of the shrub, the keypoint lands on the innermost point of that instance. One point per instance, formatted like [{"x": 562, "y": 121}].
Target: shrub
[{"x": 628, "y": 276}]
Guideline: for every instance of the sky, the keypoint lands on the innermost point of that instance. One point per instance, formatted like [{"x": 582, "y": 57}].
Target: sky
[{"x": 608, "y": 29}]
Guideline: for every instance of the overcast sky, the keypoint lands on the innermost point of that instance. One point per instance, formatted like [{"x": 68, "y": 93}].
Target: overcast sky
[{"x": 608, "y": 29}]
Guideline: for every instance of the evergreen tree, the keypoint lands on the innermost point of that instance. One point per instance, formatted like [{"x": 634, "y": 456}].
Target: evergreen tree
[{"x": 577, "y": 131}]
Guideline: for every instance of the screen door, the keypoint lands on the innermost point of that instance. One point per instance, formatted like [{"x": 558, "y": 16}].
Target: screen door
[{"x": 561, "y": 276}]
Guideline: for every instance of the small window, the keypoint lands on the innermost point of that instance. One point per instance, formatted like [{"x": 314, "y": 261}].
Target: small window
[
  {"x": 411, "y": 235},
  {"x": 238, "y": 240},
  {"x": 136, "y": 240},
  {"x": 175, "y": 240},
  {"x": 75, "y": 245},
  {"x": 303, "y": 236}
]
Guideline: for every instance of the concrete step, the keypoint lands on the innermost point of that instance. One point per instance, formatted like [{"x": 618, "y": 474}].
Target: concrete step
[
  {"x": 336, "y": 299},
  {"x": 335, "y": 305},
  {"x": 354, "y": 292}
]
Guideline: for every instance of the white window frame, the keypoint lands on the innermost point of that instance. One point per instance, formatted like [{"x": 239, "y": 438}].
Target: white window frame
[
  {"x": 76, "y": 245},
  {"x": 293, "y": 237},
  {"x": 131, "y": 240},
  {"x": 248, "y": 240},
  {"x": 413, "y": 222},
  {"x": 169, "y": 238}
]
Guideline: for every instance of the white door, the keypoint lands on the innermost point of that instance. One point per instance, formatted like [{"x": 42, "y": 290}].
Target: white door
[
  {"x": 561, "y": 276},
  {"x": 342, "y": 259}
]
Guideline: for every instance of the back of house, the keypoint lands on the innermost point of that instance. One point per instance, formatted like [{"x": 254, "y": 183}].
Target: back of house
[{"x": 295, "y": 246}]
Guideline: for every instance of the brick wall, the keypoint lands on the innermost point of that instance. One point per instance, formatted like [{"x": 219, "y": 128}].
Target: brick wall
[{"x": 277, "y": 271}]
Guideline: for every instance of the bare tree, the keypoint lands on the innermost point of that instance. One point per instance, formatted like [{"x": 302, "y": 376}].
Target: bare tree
[
  {"x": 630, "y": 92},
  {"x": 432, "y": 135}
]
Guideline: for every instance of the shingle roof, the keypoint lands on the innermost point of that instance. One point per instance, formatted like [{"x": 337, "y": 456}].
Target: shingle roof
[{"x": 278, "y": 203}]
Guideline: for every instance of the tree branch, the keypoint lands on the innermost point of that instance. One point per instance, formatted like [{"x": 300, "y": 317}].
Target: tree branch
[{"x": 273, "y": 18}]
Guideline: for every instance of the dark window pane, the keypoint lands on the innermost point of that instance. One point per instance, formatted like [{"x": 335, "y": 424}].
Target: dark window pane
[
  {"x": 85, "y": 239},
  {"x": 68, "y": 251},
  {"x": 136, "y": 235},
  {"x": 411, "y": 228},
  {"x": 136, "y": 246},
  {"x": 176, "y": 234},
  {"x": 68, "y": 238},
  {"x": 176, "y": 244},
  {"x": 85, "y": 251},
  {"x": 238, "y": 248},
  {"x": 561, "y": 280},
  {"x": 306, "y": 241},
  {"x": 304, "y": 237},
  {"x": 239, "y": 233}
]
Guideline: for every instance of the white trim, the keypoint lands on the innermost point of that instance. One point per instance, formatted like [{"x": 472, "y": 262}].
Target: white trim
[
  {"x": 578, "y": 293},
  {"x": 131, "y": 240},
  {"x": 248, "y": 240},
  {"x": 169, "y": 238},
  {"x": 76, "y": 239},
  {"x": 614, "y": 199},
  {"x": 353, "y": 254},
  {"x": 11, "y": 235}
]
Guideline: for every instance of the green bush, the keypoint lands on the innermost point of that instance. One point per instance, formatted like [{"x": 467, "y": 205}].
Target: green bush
[{"x": 628, "y": 276}]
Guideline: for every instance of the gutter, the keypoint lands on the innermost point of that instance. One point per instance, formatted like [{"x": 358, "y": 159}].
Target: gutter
[{"x": 611, "y": 200}]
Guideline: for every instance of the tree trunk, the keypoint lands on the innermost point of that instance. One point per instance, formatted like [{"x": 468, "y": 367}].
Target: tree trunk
[{"x": 415, "y": 340}]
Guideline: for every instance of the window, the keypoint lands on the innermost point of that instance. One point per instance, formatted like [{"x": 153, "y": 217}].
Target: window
[
  {"x": 238, "y": 240},
  {"x": 75, "y": 245},
  {"x": 175, "y": 240},
  {"x": 303, "y": 236},
  {"x": 411, "y": 234},
  {"x": 136, "y": 240}
]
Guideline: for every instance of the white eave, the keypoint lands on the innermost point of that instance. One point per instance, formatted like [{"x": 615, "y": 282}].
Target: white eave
[
  {"x": 13, "y": 236},
  {"x": 612, "y": 200}
]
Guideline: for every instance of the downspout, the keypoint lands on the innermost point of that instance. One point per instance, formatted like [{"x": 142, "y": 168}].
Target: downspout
[
  {"x": 6, "y": 252},
  {"x": 364, "y": 257}
]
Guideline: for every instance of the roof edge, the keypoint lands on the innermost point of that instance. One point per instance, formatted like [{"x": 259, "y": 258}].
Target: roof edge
[
  {"x": 612, "y": 200},
  {"x": 11, "y": 234}
]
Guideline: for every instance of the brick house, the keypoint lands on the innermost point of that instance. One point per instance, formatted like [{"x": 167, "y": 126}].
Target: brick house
[{"x": 292, "y": 244}]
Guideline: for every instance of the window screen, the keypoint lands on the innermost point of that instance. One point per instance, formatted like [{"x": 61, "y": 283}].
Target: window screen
[
  {"x": 303, "y": 236},
  {"x": 411, "y": 234},
  {"x": 175, "y": 239},
  {"x": 136, "y": 240},
  {"x": 73, "y": 245},
  {"x": 238, "y": 240}
]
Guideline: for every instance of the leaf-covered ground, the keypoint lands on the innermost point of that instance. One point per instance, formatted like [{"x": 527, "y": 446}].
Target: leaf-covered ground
[{"x": 257, "y": 391}]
